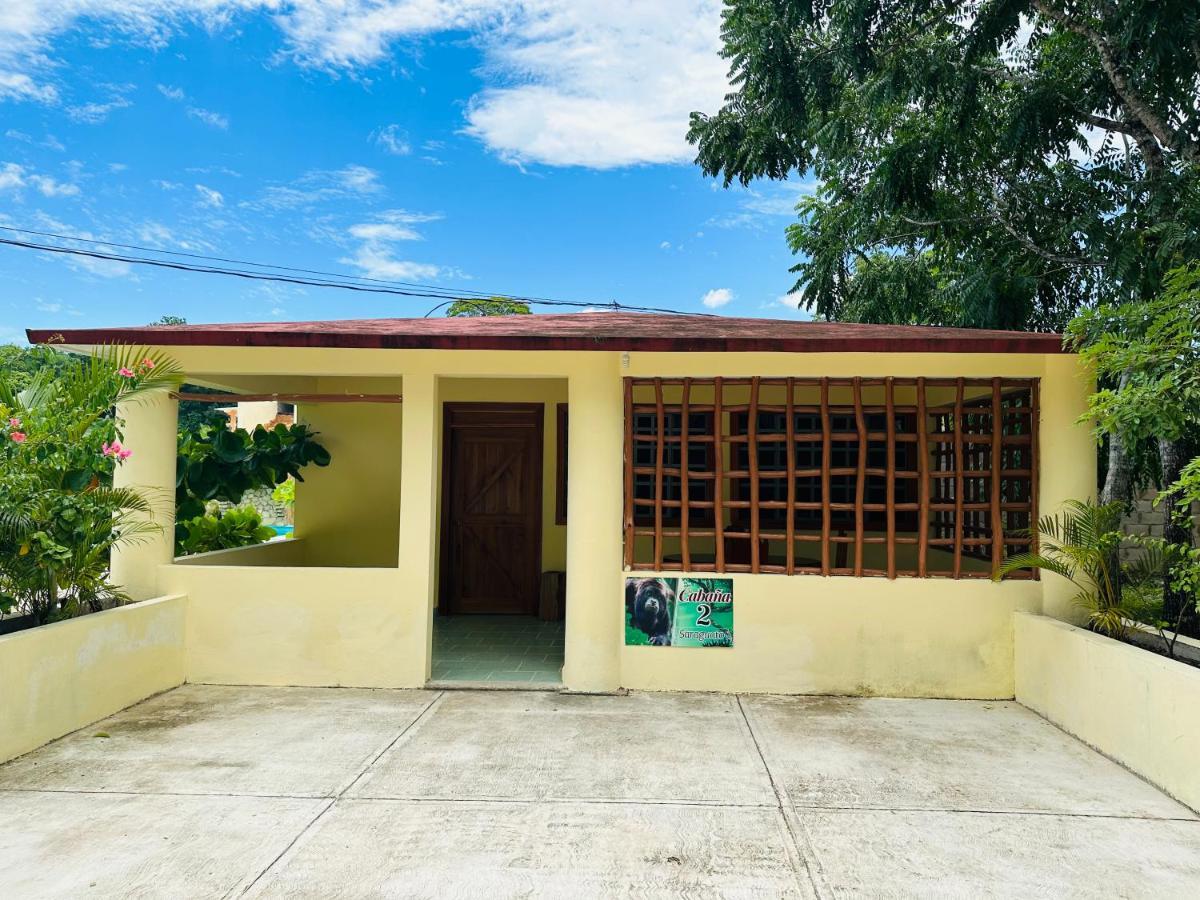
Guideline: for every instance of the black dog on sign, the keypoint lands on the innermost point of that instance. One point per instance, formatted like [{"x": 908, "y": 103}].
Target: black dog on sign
[{"x": 649, "y": 603}]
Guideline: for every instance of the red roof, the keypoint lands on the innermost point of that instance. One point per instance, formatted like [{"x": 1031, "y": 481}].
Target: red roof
[{"x": 574, "y": 331}]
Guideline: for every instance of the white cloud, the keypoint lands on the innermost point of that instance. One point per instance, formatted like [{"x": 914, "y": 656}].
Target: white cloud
[
  {"x": 19, "y": 86},
  {"x": 15, "y": 177},
  {"x": 792, "y": 303},
  {"x": 717, "y": 297},
  {"x": 393, "y": 140},
  {"x": 155, "y": 233},
  {"x": 319, "y": 186},
  {"x": 758, "y": 206},
  {"x": 171, "y": 93},
  {"x": 665, "y": 245},
  {"x": 375, "y": 257},
  {"x": 12, "y": 177},
  {"x": 209, "y": 197},
  {"x": 104, "y": 268},
  {"x": 208, "y": 117},
  {"x": 95, "y": 113},
  {"x": 597, "y": 83}
]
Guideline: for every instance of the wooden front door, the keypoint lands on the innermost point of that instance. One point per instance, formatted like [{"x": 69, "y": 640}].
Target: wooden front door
[{"x": 491, "y": 508}]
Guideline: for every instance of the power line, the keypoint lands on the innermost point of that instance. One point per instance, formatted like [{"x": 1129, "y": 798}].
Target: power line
[
  {"x": 242, "y": 262},
  {"x": 424, "y": 291}
]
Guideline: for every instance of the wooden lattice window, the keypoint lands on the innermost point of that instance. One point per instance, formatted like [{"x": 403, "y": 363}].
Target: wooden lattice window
[{"x": 831, "y": 476}]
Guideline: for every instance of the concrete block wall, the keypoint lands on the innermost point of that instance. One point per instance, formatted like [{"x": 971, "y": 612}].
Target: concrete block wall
[{"x": 1147, "y": 518}]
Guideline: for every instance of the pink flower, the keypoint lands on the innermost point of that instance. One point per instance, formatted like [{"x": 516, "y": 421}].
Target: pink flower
[
  {"x": 124, "y": 455},
  {"x": 14, "y": 423},
  {"x": 113, "y": 449},
  {"x": 147, "y": 364},
  {"x": 18, "y": 437},
  {"x": 125, "y": 372}
]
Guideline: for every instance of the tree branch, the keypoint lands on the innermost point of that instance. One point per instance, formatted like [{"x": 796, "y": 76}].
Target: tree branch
[{"x": 1162, "y": 132}]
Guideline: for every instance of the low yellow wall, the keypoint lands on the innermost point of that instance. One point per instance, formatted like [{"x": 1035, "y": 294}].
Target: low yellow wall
[
  {"x": 1140, "y": 708},
  {"x": 301, "y": 626},
  {"x": 58, "y": 678},
  {"x": 272, "y": 553},
  {"x": 868, "y": 636}
]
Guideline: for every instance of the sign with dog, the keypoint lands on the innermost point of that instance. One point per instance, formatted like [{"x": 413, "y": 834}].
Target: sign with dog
[{"x": 679, "y": 612}]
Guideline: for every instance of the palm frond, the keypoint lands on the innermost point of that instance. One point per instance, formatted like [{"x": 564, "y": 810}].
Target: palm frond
[
  {"x": 15, "y": 523},
  {"x": 1022, "y": 561},
  {"x": 125, "y": 499}
]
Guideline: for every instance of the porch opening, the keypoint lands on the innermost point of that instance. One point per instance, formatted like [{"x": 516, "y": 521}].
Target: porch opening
[{"x": 502, "y": 539}]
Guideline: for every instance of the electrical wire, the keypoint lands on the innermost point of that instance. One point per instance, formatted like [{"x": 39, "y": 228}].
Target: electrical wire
[
  {"x": 236, "y": 262},
  {"x": 351, "y": 283}
]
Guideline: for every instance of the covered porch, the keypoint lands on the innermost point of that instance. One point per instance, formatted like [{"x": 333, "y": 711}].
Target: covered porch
[{"x": 429, "y": 550}]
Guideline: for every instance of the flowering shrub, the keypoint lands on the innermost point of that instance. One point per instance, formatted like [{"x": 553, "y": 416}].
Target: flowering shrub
[{"x": 59, "y": 514}]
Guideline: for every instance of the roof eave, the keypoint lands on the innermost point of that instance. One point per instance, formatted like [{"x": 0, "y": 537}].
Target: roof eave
[{"x": 199, "y": 337}]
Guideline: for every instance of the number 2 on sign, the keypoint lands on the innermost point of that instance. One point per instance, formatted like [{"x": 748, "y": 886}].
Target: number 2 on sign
[{"x": 704, "y": 614}]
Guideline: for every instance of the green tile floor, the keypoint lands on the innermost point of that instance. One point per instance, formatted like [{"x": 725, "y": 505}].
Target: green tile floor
[{"x": 497, "y": 649}]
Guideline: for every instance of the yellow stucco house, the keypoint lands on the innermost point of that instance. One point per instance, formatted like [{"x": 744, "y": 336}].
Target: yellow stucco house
[{"x": 738, "y": 504}]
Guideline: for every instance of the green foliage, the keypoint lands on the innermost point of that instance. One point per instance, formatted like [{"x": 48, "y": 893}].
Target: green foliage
[
  {"x": 1082, "y": 544},
  {"x": 19, "y": 365},
  {"x": 949, "y": 142},
  {"x": 489, "y": 306},
  {"x": 218, "y": 463},
  {"x": 194, "y": 415},
  {"x": 1149, "y": 352},
  {"x": 238, "y": 527},
  {"x": 285, "y": 493},
  {"x": 59, "y": 445}
]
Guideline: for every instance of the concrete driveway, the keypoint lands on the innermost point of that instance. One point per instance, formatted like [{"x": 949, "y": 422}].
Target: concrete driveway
[{"x": 296, "y": 792}]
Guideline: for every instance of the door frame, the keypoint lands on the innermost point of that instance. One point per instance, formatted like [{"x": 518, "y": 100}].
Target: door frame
[{"x": 502, "y": 414}]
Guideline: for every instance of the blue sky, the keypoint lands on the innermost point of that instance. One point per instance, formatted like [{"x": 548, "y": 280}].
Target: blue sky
[{"x": 532, "y": 148}]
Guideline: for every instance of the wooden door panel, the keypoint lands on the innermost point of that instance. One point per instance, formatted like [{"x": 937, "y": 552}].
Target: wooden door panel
[{"x": 491, "y": 508}]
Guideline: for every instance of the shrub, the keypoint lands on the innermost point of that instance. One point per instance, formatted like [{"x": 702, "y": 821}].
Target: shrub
[
  {"x": 239, "y": 527},
  {"x": 218, "y": 463},
  {"x": 60, "y": 517}
]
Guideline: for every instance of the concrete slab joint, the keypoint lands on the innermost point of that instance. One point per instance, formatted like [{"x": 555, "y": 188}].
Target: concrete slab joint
[{"x": 211, "y": 791}]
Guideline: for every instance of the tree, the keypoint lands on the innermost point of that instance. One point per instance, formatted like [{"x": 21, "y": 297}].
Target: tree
[
  {"x": 984, "y": 162},
  {"x": 19, "y": 365},
  {"x": 59, "y": 515},
  {"x": 1154, "y": 348},
  {"x": 490, "y": 306}
]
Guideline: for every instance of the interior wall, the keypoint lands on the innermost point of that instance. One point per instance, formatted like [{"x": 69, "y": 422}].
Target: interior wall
[
  {"x": 547, "y": 391},
  {"x": 348, "y": 513}
]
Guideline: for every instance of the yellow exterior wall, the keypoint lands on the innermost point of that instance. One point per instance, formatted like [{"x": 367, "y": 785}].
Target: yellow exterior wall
[
  {"x": 1128, "y": 703},
  {"x": 58, "y": 678},
  {"x": 150, "y": 429},
  {"x": 349, "y": 511},
  {"x": 299, "y": 626},
  {"x": 862, "y": 636},
  {"x": 928, "y": 637}
]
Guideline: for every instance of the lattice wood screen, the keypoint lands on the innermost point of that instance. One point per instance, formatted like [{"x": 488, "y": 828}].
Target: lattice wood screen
[{"x": 830, "y": 476}]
